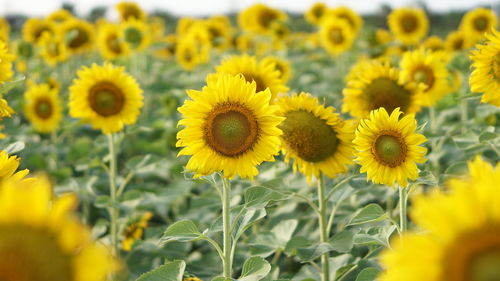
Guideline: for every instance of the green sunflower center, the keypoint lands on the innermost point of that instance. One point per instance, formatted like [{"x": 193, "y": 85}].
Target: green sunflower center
[
  {"x": 29, "y": 254},
  {"x": 424, "y": 74},
  {"x": 43, "y": 108},
  {"x": 481, "y": 24},
  {"x": 309, "y": 136},
  {"x": 25, "y": 50},
  {"x": 77, "y": 37},
  {"x": 231, "y": 129},
  {"x": 409, "y": 23},
  {"x": 387, "y": 93},
  {"x": 133, "y": 36},
  {"x": 106, "y": 99},
  {"x": 389, "y": 149},
  {"x": 260, "y": 85},
  {"x": 336, "y": 35}
]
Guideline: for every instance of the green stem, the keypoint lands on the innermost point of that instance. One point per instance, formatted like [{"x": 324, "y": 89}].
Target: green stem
[
  {"x": 403, "y": 201},
  {"x": 113, "y": 211},
  {"x": 325, "y": 276},
  {"x": 463, "y": 115},
  {"x": 433, "y": 120},
  {"x": 226, "y": 221}
]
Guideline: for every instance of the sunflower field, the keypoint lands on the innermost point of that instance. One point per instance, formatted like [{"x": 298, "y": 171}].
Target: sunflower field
[{"x": 261, "y": 145}]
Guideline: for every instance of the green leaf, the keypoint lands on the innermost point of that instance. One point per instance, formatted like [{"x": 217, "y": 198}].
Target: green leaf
[
  {"x": 171, "y": 271},
  {"x": 283, "y": 231},
  {"x": 370, "y": 213},
  {"x": 368, "y": 274},
  {"x": 182, "y": 231},
  {"x": 254, "y": 269},
  {"x": 456, "y": 168},
  {"x": 250, "y": 217},
  {"x": 487, "y": 136},
  {"x": 257, "y": 197},
  {"x": 313, "y": 252},
  {"x": 342, "y": 241},
  {"x": 5, "y": 87},
  {"x": 15, "y": 147},
  {"x": 295, "y": 243}
]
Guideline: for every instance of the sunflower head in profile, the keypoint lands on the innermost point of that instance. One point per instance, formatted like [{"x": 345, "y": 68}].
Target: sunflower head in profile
[
  {"x": 229, "y": 127},
  {"x": 315, "y": 14},
  {"x": 78, "y": 35},
  {"x": 456, "y": 41},
  {"x": 336, "y": 36},
  {"x": 8, "y": 167},
  {"x": 380, "y": 85},
  {"x": 408, "y": 25},
  {"x": 43, "y": 108},
  {"x": 429, "y": 68},
  {"x": 106, "y": 96},
  {"x": 130, "y": 10},
  {"x": 136, "y": 34},
  {"x": 258, "y": 18},
  {"x": 34, "y": 28},
  {"x": 41, "y": 239},
  {"x": 110, "y": 42},
  {"x": 4, "y": 30},
  {"x": 459, "y": 235},
  {"x": 264, "y": 75},
  {"x": 350, "y": 16},
  {"x": 485, "y": 77},
  {"x": 282, "y": 65},
  {"x": 478, "y": 22},
  {"x": 314, "y": 136},
  {"x": 388, "y": 148},
  {"x": 60, "y": 16}
]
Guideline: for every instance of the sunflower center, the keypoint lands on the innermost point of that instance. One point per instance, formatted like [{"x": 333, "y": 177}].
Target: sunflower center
[
  {"x": 114, "y": 44},
  {"x": 495, "y": 67},
  {"x": 481, "y": 24},
  {"x": 106, "y": 99},
  {"x": 309, "y": 136},
  {"x": 260, "y": 85},
  {"x": 266, "y": 17},
  {"x": 474, "y": 256},
  {"x": 409, "y": 23},
  {"x": 231, "y": 129},
  {"x": 318, "y": 12},
  {"x": 389, "y": 149},
  {"x": 458, "y": 44},
  {"x": 43, "y": 108},
  {"x": 424, "y": 74},
  {"x": 39, "y": 32},
  {"x": 25, "y": 50},
  {"x": 77, "y": 38},
  {"x": 133, "y": 36},
  {"x": 131, "y": 12},
  {"x": 29, "y": 254},
  {"x": 386, "y": 93},
  {"x": 336, "y": 36}
]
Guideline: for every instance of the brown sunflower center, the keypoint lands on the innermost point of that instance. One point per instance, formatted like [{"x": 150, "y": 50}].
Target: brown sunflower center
[
  {"x": 409, "y": 23},
  {"x": 106, "y": 99},
  {"x": 424, "y": 74},
  {"x": 113, "y": 44},
  {"x": 389, "y": 149},
  {"x": 336, "y": 35},
  {"x": 280, "y": 69},
  {"x": 78, "y": 37},
  {"x": 131, "y": 12},
  {"x": 481, "y": 23},
  {"x": 309, "y": 136},
  {"x": 29, "y": 254},
  {"x": 266, "y": 17},
  {"x": 318, "y": 12},
  {"x": 133, "y": 36},
  {"x": 43, "y": 108},
  {"x": 231, "y": 129},
  {"x": 387, "y": 93},
  {"x": 458, "y": 44},
  {"x": 260, "y": 85},
  {"x": 474, "y": 256},
  {"x": 40, "y": 31}
]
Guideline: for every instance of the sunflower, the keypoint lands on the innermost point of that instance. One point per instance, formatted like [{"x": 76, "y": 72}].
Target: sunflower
[
  {"x": 106, "y": 96},
  {"x": 352, "y": 18},
  {"x": 168, "y": 46},
  {"x": 156, "y": 27},
  {"x": 264, "y": 75},
  {"x": 219, "y": 33},
  {"x": 5, "y": 63},
  {"x": 387, "y": 147},
  {"x": 383, "y": 36},
  {"x": 230, "y": 126},
  {"x": 60, "y": 16},
  {"x": 282, "y": 65},
  {"x": 40, "y": 238},
  {"x": 135, "y": 230},
  {"x": 8, "y": 167},
  {"x": 408, "y": 25},
  {"x": 314, "y": 136},
  {"x": 78, "y": 35},
  {"x": 184, "y": 24},
  {"x": 53, "y": 49},
  {"x": 485, "y": 78},
  {"x": 455, "y": 41},
  {"x": 380, "y": 85},
  {"x": 43, "y": 108},
  {"x": 461, "y": 238},
  {"x": 336, "y": 36},
  {"x": 34, "y": 28},
  {"x": 316, "y": 13},
  {"x": 259, "y": 17},
  {"x": 4, "y": 30},
  {"x": 429, "y": 68},
  {"x": 187, "y": 54},
  {"x": 130, "y": 10},
  {"x": 434, "y": 44},
  {"x": 136, "y": 34},
  {"x": 476, "y": 23},
  {"x": 110, "y": 44}
]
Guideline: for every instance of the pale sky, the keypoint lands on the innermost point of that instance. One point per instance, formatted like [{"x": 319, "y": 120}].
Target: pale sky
[{"x": 208, "y": 7}]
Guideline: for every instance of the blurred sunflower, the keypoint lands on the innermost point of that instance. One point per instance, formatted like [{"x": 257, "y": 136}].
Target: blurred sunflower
[
  {"x": 380, "y": 85},
  {"x": 34, "y": 28},
  {"x": 485, "y": 77},
  {"x": 136, "y": 34},
  {"x": 109, "y": 42},
  {"x": 106, "y": 96},
  {"x": 135, "y": 230},
  {"x": 264, "y": 75},
  {"x": 43, "y": 108},
  {"x": 200, "y": 38},
  {"x": 78, "y": 35},
  {"x": 352, "y": 18},
  {"x": 40, "y": 239},
  {"x": 383, "y": 36},
  {"x": 53, "y": 49},
  {"x": 219, "y": 33},
  {"x": 156, "y": 27},
  {"x": 9, "y": 166},
  {"x": 388, "y": 147},
  {"x": 434, "y": 44},
  {"x": 336, "y": 36},
  {"x": 130, "y": 10},
  {"x": 316, "y": 13},
  {"x": 429, "y": 68},
  {"x": 314, "y": 136},
  {"x": 184, "y": 24},
  {"x": 455, "y": 41},
  {"x": 168, "y": 46},
  {"x": 259, "y": 17},
  {"x": 186, "y": 54},
  {"x": 282, "y": 65},
  {"x": 460, "y": 238},
  {"x": 408, "y": 25},
  {"x": 4, "y": 30},
  {"x": 60, "y": 16},
  {"x": 230, "y": 126},
  {"x": 6, "y": 59},
  {"x": 476, "y": 23}
]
